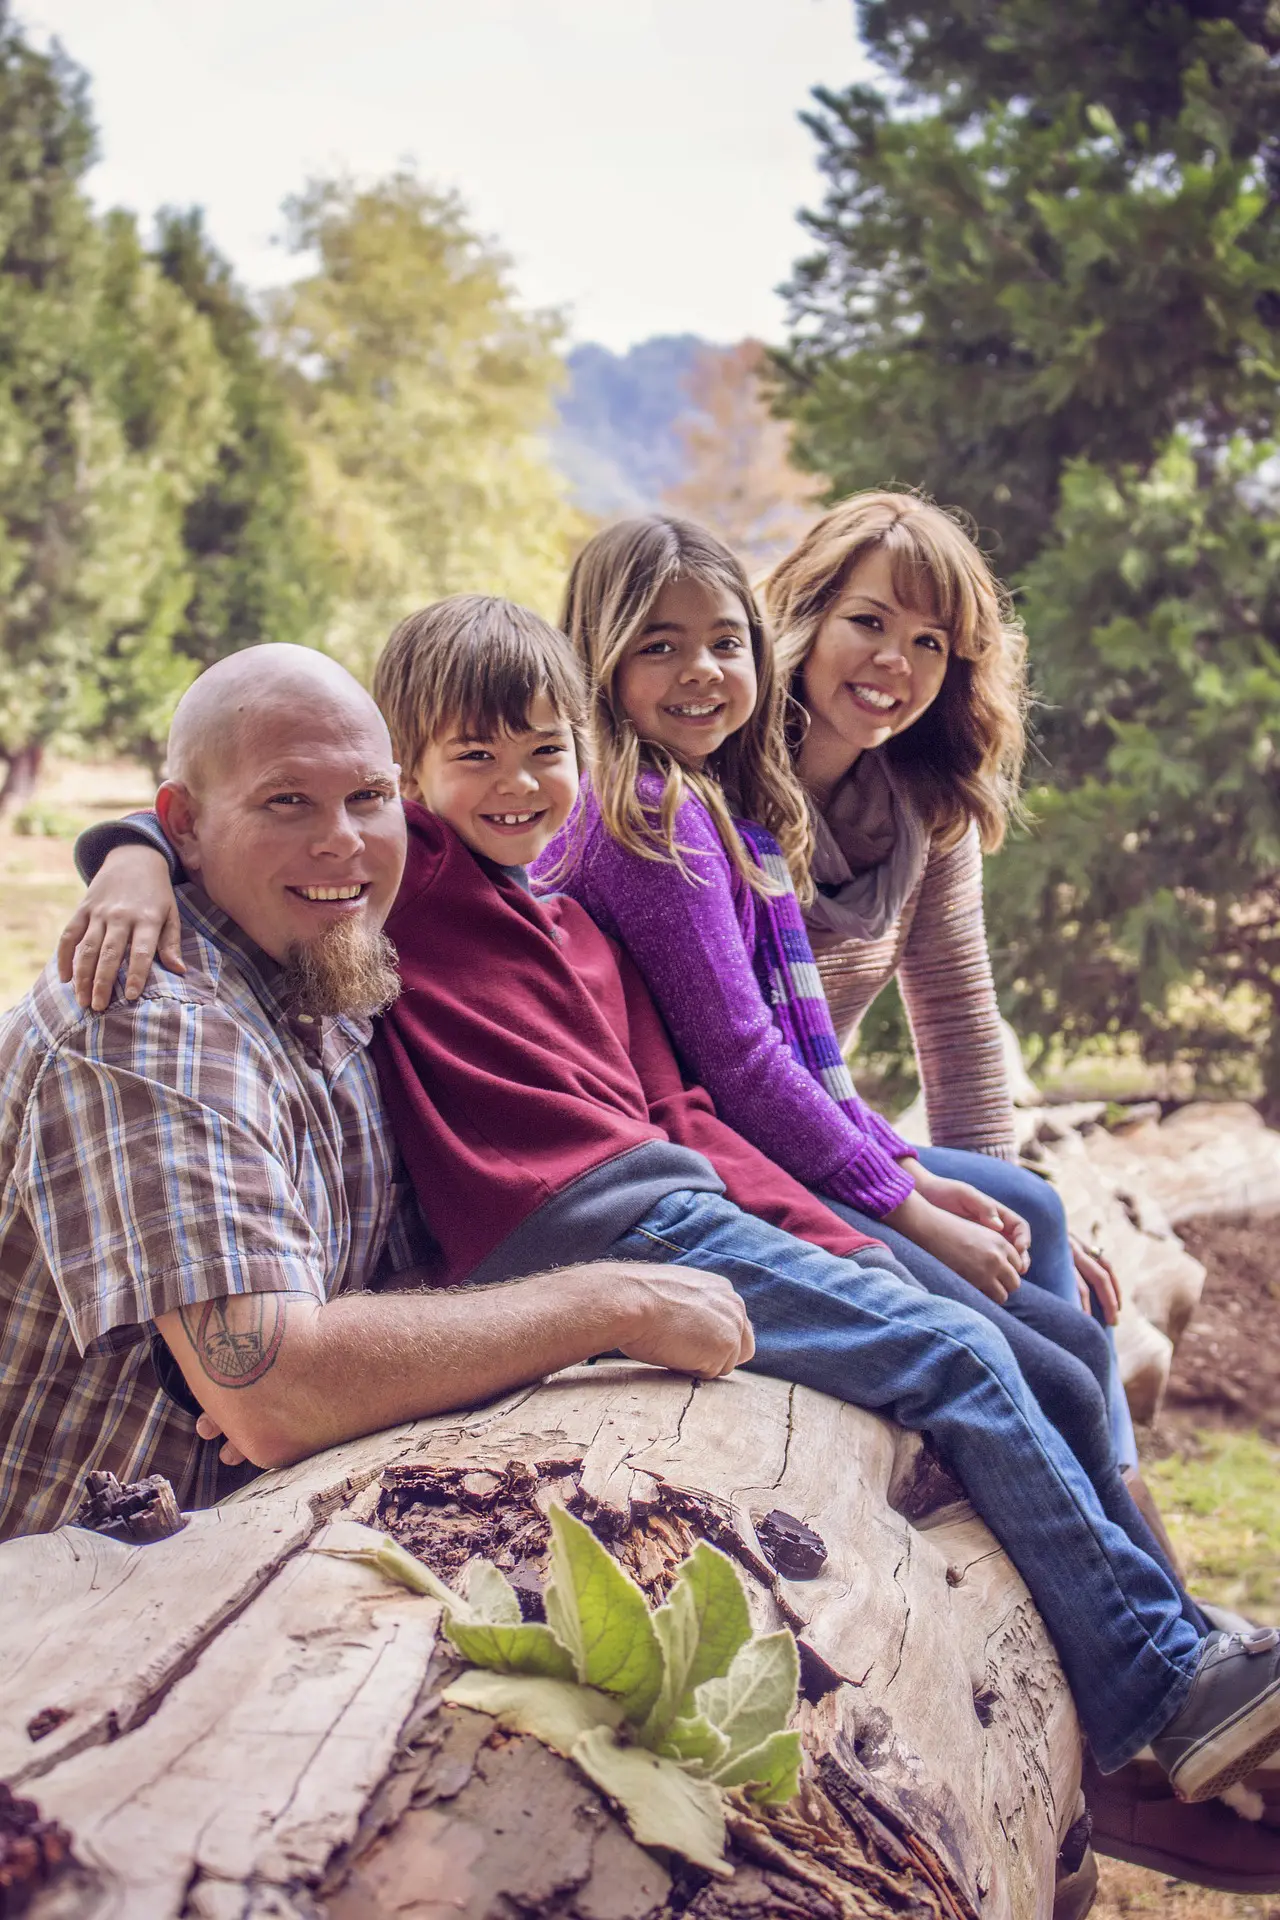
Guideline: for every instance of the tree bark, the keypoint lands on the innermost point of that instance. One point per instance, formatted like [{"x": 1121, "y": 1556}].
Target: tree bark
[
  {"x": 229, "y": 1724},
  {"x": 22, "y": 771}
]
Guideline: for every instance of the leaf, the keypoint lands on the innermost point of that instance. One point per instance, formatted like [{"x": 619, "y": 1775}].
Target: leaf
[
  {"x": 349, "y": 1540},
  {"x": 695, "y": 1743},
  {"x": 528, "y": 1648},
  {"x": 491, "y": 1598},
  {"x": 771, "y": 1770},
  {"x": 557, "y": 1712},
  {"x": 663, "y": 1806},
  {"x": 701, "y": 1627},
  {"x": 601, "y": 1616},
  {"x": 757, "y": 1695},
  {"x": 486, "y": 1627}
]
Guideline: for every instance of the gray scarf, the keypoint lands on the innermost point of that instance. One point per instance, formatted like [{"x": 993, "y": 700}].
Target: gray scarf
[{"x": 870, "y": 851}]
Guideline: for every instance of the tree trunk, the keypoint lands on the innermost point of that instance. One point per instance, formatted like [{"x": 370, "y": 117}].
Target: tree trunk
[
  {"x": 1269, "y": 1065},
  {"x": 22, "y": 771},
  {"x": 231, "y": 1725}
]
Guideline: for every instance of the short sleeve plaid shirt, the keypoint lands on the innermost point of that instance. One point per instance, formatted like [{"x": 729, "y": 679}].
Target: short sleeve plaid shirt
[{"x": 194, "y": 1144}]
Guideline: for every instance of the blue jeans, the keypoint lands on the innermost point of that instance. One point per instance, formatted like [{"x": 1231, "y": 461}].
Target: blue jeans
[
  {"x": 1052, "y": 1266},
  {"x": 1115, "y": 1615},
  {"x": 1061, "y": 1353}
]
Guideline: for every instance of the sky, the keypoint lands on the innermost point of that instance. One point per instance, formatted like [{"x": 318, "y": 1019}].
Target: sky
[{"x": 641, "y": 161}]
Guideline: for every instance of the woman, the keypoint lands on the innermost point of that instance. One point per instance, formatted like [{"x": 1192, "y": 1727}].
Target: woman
[{"x": 909, "y": 746}]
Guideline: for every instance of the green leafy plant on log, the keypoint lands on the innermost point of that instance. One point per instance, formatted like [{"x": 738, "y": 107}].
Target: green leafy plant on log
[{"x": 662, "y": 1710}]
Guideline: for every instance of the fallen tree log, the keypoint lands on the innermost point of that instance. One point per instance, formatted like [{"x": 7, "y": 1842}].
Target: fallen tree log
[{"x": 230, "y": 1725}]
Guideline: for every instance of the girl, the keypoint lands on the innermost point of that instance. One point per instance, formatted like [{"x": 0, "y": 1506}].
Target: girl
[
  {"x": 898, "y": 648},
  {"x": 687, "y": 725}
]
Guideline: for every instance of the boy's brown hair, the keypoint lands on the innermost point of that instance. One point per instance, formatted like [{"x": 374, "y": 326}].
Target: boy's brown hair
[{"x": 473, "y": 664}]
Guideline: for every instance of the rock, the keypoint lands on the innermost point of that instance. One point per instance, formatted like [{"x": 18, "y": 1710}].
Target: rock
[
  {"x": 1207, "y": 1158},
  {"x": 1144, "y": 1356}
]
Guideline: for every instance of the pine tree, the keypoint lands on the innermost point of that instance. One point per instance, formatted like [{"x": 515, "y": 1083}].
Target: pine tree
[
  {"x": 260, "y": 570},
  {"x": 1145, "y": 901},
  {"x": 1046, "y": 288},
  {"x": 1054, "y": 236},
  {"x": 157, "y": 418},
  {"x": 112, "y": 412}
]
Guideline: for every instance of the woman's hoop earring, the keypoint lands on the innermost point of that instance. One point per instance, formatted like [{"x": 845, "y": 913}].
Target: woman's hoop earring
[{"x": 796, "y": 721}]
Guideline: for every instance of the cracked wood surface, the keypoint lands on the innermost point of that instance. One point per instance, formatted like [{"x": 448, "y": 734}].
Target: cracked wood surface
[{"x": 253, "y": 1729}]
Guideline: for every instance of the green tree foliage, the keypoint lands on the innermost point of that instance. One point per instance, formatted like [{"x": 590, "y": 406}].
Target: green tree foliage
[
  {"x": 420, "y": 392},
  {"x": 259, "y": 568},
  {"x": 48, "y": 259},
  {"x": 170, "y": 491},
  {"x": 1146, "y": 900},
  {"x": 157, "y": 418},
  {"x": 1046, "y": 288},
  {"x": 1053, "y": 237},
  {"x": 1133, "y": 61},
  {"x": 132, "y": 405}
]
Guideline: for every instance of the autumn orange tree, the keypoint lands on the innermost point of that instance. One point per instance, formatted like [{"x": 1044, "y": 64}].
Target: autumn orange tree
[{"x": 739, "y": 479}]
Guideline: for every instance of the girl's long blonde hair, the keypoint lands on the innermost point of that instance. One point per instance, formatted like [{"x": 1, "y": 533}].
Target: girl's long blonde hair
[
  {"x": 961, "y": 760},
  {"x": 612, "y": 588}
]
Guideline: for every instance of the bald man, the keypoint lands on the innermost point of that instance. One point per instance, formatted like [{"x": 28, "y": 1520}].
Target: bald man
[{"x": 220, "y": 1139}]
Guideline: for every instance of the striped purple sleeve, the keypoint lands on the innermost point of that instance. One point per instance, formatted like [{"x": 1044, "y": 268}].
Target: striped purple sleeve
[
  {"x": 884, "y": 1135},
  {"x": 687, "y": 938}
]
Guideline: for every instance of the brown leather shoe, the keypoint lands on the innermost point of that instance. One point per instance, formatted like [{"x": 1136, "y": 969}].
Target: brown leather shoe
[{"x": 1136, "y": 1818}]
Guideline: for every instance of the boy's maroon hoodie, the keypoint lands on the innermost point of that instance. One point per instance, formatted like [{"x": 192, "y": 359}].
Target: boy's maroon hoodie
[{"x": 533, "y": 1089}]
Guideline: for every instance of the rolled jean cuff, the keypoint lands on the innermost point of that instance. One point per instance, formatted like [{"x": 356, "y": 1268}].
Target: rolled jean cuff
[{"x": 1146, "y": 1731}]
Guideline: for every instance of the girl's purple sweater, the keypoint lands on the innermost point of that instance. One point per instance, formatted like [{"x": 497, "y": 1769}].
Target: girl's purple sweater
[{"x": 694, "y": 942}]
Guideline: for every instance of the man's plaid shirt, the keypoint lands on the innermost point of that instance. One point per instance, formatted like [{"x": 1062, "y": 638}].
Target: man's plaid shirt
[{"x": 193, "y": 1144}]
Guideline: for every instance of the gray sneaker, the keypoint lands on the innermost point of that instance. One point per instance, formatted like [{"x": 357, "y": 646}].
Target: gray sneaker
[{"x": 1230, "y": 1721}]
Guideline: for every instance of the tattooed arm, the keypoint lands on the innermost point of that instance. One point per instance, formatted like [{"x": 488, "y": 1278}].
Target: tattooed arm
[{"x": 283, "y": 1374}]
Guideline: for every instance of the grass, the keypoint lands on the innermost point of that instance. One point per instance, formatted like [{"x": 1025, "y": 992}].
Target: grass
[
  {"x": 1221, "y": 1499},
  {"x": 37, "y": 872},
  {"x": 40, "y": 889}
]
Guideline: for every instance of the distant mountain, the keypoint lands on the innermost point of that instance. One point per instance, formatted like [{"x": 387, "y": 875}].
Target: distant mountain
[{"x": 616, "y": 441}]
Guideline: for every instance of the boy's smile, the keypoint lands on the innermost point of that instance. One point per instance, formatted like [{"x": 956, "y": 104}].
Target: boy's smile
[{"x": 507, "y": 797}]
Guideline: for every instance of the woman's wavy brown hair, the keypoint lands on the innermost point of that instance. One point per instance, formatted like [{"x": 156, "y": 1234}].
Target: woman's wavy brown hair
[
  {"x": 962, "y": 758},
  {"x": 612, "y": 588}
]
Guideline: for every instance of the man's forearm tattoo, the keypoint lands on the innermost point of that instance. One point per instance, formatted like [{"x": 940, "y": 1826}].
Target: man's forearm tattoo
[{"x": 237, "y": 1339}]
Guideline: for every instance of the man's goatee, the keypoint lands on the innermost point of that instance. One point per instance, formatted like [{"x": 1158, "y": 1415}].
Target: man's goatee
[{"x": 348, "y": 969}]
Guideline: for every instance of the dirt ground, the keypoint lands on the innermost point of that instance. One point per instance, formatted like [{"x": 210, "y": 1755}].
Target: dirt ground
[
  {"x": 1129, "y": 1891},
  {"x": 1227, "y": 1370}
]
